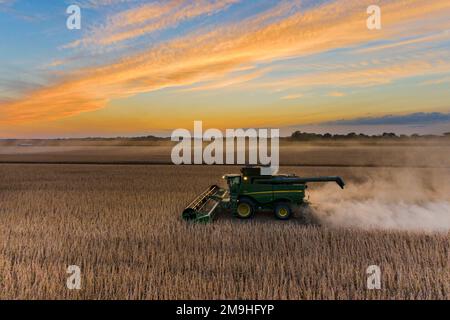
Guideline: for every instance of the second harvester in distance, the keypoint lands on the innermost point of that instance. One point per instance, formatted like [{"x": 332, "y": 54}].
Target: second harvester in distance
[{"x": 251, "y": 191}]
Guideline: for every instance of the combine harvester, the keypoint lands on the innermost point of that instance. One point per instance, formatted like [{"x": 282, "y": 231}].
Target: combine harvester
[{"x": 251, "y": 191}]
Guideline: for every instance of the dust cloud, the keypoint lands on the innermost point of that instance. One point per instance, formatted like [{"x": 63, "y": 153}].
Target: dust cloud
[{"x": 404, "y": 200}]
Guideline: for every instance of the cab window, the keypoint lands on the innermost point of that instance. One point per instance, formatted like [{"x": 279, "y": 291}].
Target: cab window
[{"x": 234, "y": 181}]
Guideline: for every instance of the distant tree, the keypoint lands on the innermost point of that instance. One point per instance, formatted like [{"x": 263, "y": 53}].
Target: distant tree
[
  {"x": 389, "y": 135},
  {"x": 296, "y": 134},
  {"x": 304, "y": 136}
]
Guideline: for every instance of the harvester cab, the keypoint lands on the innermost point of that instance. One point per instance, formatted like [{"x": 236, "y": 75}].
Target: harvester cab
[{"x": 250, "y": 191}]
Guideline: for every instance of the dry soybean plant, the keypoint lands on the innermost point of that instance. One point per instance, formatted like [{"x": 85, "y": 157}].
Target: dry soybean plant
[{"x": 121, "y": 225}]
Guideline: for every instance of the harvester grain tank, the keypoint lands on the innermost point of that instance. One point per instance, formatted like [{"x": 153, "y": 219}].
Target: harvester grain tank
[{"x": 250, "y": 191}]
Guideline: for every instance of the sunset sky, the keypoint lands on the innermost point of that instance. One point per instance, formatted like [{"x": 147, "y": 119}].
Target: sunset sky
[{"x": 148, "y": 67}]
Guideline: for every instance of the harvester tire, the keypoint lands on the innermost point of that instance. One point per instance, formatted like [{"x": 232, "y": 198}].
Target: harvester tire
[
  {"x": 283, "y": 211},
  {"x": 245, "y": 209}
]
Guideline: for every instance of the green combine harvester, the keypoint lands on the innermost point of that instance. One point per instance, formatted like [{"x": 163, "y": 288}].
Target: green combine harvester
[{"x": 251, "y": 191}]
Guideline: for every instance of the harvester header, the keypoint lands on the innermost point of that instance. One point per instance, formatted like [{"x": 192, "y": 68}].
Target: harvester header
[{"x": 250, "y": 191}]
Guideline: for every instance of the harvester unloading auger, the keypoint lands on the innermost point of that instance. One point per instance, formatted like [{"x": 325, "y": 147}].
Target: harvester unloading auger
[{"x": 251, "y": 191}]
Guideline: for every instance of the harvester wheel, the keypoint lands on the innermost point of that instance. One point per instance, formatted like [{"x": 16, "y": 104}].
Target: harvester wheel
[
  {"x": 283, "y": 210},
  {"x": 245, "y": 209}
]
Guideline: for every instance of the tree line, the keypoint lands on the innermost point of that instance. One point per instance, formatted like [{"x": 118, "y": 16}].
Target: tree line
[{"x": 305, "y": 136}]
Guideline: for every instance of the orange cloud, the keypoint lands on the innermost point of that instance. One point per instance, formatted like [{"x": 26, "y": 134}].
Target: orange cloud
[
  {"x": 230, "y": 81},
  {"x": 148, "y": 18},
  {"x": 365, "y": 75},
  {"x": 440, "y": 36},
  {"x": 214, "y": 54},
  {"x": 292, "y": 96},
  {"x": 336, "y": 94}
]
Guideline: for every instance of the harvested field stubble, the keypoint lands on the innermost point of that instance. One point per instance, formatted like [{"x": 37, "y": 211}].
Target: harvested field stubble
[{"x": 122, "y": 226}]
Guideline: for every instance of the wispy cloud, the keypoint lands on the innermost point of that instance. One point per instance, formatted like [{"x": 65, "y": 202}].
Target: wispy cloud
[
  {"x": 100, "y": 3},
  {"x": 8, "y": 6},
  {"x": 364, "y": 75},
  {"x": 214, "y": 54},
  {"x": 148, "y": 18},
  {"x": 419, "y": 118},
  {"x": 230, "y": 81},
  {"x": 293, "y": 96},
  {"x": 441, "y": 80},
  {"x": 55, "y": 63},
  {"x": 442, "y": 35},
  {"x": 336, "y": 94},
  {"x": 6, "y": 2}
]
